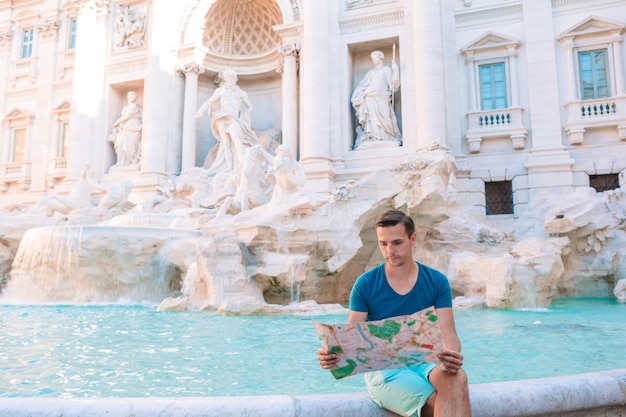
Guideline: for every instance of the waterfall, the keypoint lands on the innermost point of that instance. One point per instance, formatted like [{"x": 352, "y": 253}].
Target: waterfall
[{"x": 91, "y": 264}]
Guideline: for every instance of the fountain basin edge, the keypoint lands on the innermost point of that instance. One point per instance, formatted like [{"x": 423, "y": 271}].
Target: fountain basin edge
[{"x": 592, "y": 394}]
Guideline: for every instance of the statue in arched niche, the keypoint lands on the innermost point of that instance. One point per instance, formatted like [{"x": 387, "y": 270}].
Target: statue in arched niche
[
  {"x": 126, "y": 135},
  {"x": 229, "y": 109},
  {"x": 373, "y": 104}
]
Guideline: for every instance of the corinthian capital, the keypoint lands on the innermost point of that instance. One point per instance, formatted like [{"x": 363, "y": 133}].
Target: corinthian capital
[
  {"x": 289, "y": 49},
  {"x": 190, "y": 66},
  {"x": 101, "y": 6},
  {"x": 48, "y": 29},
  {"x": 5, "y": 38}
]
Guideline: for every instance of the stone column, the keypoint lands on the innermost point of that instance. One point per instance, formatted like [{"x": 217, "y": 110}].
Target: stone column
[
  {"x": 290, "y": 96},
  {"x": 47, "y": 33},
  {"x": 191, "y": 70},
  {"x": 87, "y": 96},
  {"x": 159, "y": 87},
  {"x": 430, "y": 84},
  {"x": 314, "y": 91}
]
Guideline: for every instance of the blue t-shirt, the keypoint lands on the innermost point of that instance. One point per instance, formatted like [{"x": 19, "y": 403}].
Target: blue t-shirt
[{"x": 372, "y": 293}]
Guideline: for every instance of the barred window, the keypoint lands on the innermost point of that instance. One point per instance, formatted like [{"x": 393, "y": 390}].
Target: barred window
[
  {"x": 499, "y": 197},
  {"x": 604, "y": 182}
]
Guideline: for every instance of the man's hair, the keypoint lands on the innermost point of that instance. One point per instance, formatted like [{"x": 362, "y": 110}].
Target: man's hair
[{"x": 393, "y": 217}]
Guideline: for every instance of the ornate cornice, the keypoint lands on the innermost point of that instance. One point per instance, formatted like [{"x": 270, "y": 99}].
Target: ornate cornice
[
  {"x": 357, "y": 4},
  {"x": 371, "y": 22},
  {"x": 494, "y": 12},
  {"x": 247, "y": 65}
]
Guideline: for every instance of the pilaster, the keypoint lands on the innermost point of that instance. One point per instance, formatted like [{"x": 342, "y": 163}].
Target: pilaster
[
  {"x": 87, "y": 97},
  {"x": 549, "y": 164},
  {"x": 428, "y": 63}
]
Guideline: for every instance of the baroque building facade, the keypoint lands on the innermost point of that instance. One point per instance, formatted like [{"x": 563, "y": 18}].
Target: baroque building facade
[{"x": 528, "y": 96}]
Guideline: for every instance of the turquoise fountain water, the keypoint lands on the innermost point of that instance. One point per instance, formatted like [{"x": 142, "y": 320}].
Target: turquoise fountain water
[{"x": 93, "y": 351}]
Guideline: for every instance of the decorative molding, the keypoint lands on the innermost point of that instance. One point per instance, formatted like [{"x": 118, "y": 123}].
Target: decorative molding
[
  {"x": 101, "y": 6},
  {"x": 295, "y": 6},
  {"x": 48, "y": 30},
  {"x": 560, "y": 3},
  {"x": 247, "y": 65},
  {"x": 592, "y": 27},
  {"x": 371, "y": 22},
  {"x": 291, "y": 49},
  {"x": 187, "y": 67},
  {"x": 290, "y": 34},
  {"x": 5, "y": 39},
  {"x": 357, "y": 4},
  {"x": 490, "y": 41},
  {"x": 495, "y": 12}
]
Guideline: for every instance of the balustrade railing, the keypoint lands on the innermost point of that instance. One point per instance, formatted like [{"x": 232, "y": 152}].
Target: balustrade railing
[
  {"x": 588, "y": 114},
  {"x": 485, "y": 124},
  {"x": 18, "y": 172}
]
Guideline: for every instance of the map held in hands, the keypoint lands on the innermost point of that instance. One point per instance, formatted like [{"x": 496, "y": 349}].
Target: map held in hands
[{"x": 396, "y": 342}]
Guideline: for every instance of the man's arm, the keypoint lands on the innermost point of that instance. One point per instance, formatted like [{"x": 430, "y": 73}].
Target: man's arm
[
  {"x": 328, "y": 360},
  {"x": 451, "y": 358}
]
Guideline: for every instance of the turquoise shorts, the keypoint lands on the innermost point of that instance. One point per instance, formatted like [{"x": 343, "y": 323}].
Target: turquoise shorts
[{"x": 403, "y": 391}]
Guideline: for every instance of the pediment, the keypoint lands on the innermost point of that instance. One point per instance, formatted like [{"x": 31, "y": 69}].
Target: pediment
[
  {"x": 593, "y": 26},
  {"x": 63, "y": 107},
  {"x": 17, "y": 114},
  {"x": 491, "y": 41},
  {"x": 26, "y": 16}
]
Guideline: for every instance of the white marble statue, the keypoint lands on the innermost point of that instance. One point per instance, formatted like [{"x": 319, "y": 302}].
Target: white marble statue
[
  {"x": 130, "y": 29},
  {"x": 78, "y": 197},
  {"x": 372, "y": 102},
  {"x": 229, "y": 109},
  {"x": 253, "y": 182},
  {"x": 115, "y": 199},
  {"x": 289, "y": 176},
  {"x": 126, "y": 135}
]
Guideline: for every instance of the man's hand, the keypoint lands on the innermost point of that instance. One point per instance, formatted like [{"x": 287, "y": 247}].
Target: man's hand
[
  {"x": 327, "y": 360},
  {"x": 450, "y": 360}
]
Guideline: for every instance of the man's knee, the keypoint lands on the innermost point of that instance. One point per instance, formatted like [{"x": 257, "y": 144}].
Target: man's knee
[{"x": 446, "y": 382}]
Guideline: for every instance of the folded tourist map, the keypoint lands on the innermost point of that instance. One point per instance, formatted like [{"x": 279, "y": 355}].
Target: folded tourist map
[{"x": 396, "y": 342}]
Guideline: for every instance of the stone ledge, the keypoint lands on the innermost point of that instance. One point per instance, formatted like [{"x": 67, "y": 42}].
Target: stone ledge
[{"x": 591, "y": 395}]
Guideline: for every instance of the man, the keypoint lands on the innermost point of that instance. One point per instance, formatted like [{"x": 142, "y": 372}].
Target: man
[{"x": 402, "y": 286}]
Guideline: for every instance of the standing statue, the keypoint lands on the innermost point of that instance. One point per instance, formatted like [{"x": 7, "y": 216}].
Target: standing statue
[
  {"x": 229, "y": 108},
  {"x": 126, "y": 135},
  {"x": 372, "y": 101}
]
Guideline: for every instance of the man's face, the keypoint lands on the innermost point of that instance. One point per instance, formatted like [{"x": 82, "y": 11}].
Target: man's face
[{"x": 395, "y": 245}]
